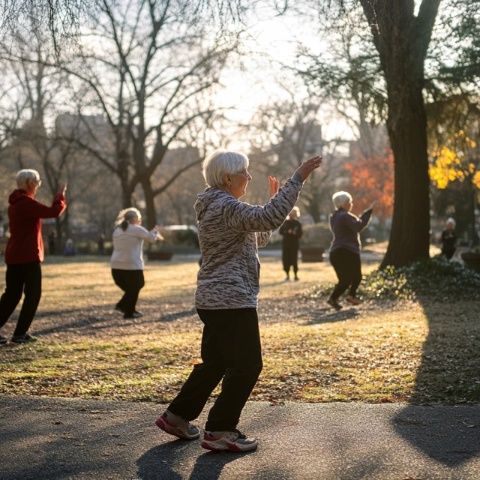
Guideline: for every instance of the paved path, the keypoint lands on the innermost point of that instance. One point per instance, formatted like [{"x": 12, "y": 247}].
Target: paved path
[{"x": 45, "y": 438}]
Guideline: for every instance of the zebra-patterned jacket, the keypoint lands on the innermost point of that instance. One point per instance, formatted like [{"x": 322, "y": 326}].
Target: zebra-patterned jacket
[{"x": 230, "y": 232}]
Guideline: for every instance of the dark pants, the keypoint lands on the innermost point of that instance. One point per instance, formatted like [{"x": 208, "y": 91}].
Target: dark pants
[
  {"x": 25, "y": 277},
  {"x": 290, "y": 258},
  {"x": 131, "y": 282},
  {"x": 448, "y": 252},
  {"x": 349, "y": 271},
  {"x": 231, "y": 351}
]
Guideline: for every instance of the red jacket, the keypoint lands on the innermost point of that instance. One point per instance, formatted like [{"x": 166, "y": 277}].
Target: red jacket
[{"x": 24, "y": 213}]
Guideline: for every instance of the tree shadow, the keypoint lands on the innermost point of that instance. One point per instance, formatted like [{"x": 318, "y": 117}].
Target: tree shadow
[{"x": 449, "y": 374}]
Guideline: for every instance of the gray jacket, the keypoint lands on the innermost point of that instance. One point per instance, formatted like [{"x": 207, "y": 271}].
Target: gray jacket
[{"x": 230, "y": 232}]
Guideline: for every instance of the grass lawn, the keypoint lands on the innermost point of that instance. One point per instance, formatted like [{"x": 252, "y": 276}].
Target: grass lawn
[{"x": 422, "y": 352}]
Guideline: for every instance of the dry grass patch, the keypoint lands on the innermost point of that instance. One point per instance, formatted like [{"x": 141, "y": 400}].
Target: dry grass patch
[{"x": 380, "y": 352}]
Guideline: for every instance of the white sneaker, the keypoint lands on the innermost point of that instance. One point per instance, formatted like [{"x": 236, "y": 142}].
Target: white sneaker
[
  {"x": 177, "y": 426},
  {"x": 234, "y": 441}
]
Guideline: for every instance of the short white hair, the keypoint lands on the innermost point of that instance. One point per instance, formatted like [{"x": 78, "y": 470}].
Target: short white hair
[
  {"x": 26, "y": 175},
  {"x": 222, "y": 163},
  {"x": 340, "y": 199},
  {"x": 451, "y": 221},
  {"x": 128, "y": 215}
]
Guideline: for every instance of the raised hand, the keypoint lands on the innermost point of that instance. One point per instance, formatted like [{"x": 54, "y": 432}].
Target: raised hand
[
  {"x": 62, "y": 188},
  {"x": 273, "y": 185},
  {"x": 307, "y": 167}
]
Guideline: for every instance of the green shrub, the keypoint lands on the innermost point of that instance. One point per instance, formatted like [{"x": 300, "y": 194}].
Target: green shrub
[{"x": 436, "y": 278}]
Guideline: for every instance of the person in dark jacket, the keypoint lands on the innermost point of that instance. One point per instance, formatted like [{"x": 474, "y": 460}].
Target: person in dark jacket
[
  {"x": 291, "y": 230},
  {"x": 449, "y": 239},
  {"x": 345, "y": 248},
  {"x": 24, "y": 252}
]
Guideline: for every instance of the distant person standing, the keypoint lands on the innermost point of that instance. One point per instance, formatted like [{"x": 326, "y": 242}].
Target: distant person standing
[
  {"x": 51, "y": 243},
  {"x": 25, "y": 252},
  {"x": 291, "y": 230},
  {"x": 449, "y": 239},
  {"x": 69, "y": 250},
  {"x": 127, "y": 258},
  {"x": 345, "y": 248},
  {"x": 101, "y": 244}
]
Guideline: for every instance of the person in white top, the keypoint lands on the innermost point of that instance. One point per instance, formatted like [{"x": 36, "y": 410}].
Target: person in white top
[{"x": 127, "y": 258}]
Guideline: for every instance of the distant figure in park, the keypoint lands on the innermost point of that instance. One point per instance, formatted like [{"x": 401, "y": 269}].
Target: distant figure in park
[
  {"x": 69, "y": 250},
  {"x": 51, "y": 243},
  {"x": 345, "y": 248},
  {"x": 291, "y": 230},
  {"x": 24, "y": 252},
  {"x": 230, "y": 232},
  {"x": 127, "y": 258},
  {"x": 449, "y": 239},
  {"x": 101, "y": 244}
]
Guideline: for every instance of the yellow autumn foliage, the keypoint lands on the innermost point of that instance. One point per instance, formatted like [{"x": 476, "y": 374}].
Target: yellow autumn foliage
[{"x": 449, "y": 165}]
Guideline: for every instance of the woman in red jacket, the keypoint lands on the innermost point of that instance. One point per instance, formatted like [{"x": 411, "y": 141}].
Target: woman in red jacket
[{"x": 24, "y": 252}]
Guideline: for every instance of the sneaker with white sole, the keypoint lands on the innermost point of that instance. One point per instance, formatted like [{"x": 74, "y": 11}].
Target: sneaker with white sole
[
  {"x": 234, "y": 441},
  {"x": 177, "y": 426}
]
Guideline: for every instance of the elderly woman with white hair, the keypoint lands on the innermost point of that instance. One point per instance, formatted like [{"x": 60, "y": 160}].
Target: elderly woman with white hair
[
  {"x": 230, "y": 231},
  {"x": 449, "y": 239},
  {"x": 345, "y": 248},
  {"x": 24, "y": 252},
  {"x": 127, "y": 258}
]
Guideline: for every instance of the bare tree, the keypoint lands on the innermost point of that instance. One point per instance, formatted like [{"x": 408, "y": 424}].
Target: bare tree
[{"x": 153, "y": 82}]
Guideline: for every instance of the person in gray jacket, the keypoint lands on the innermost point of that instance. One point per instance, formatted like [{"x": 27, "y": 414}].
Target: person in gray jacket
[{"x": 230, "y": 231}]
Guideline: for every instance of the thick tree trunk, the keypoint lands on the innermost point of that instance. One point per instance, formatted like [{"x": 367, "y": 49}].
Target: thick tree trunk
[
  {"x": 401, "y": 36},
  {"x": 409, "y": 236}
]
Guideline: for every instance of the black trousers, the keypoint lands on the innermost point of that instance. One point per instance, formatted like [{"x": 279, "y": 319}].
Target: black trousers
[
  {"x": 231, "y": 351},
  {"x": 348, "y": 268},
  {"x": 290, "y": 258},
  {"x": 21, "y": 278},
  {"x": 131, "y": 282}
]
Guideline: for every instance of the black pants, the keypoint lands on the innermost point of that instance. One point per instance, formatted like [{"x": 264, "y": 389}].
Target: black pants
[
  {"x": 25, "y": 277},
  {"x": 131, "y": 282},
  {"x": 231, "y": 351},
  {"x": 290, "y": 259},
  {"x": 348, "y": 269},
  {"x": 448, "y": 252}
]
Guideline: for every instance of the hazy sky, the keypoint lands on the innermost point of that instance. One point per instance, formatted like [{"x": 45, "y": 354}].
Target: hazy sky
[{"x": 273, "y": 41}]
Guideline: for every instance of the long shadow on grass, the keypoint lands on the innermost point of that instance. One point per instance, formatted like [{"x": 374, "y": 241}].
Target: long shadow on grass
[
  {"x": 449, "y": 373},
  {"x": 100, "y": 320},
  {"x": 93, "y": 320},
  {"x": 326, "y": 315}
]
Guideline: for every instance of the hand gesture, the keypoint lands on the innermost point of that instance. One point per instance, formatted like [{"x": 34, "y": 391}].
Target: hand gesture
[
  {"x": 307, "y": 167},
  {"x": 157, "y": 229},
  {"x": 273, "y": 185},
  {"x": 62, "y": 189}
]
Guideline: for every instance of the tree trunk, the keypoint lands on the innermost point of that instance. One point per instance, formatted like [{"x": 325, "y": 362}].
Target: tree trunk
[
  {"x": 409, "y": 236},
  {"x": 150, "y": 210},
  {"x": 401, "y": 34}
]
